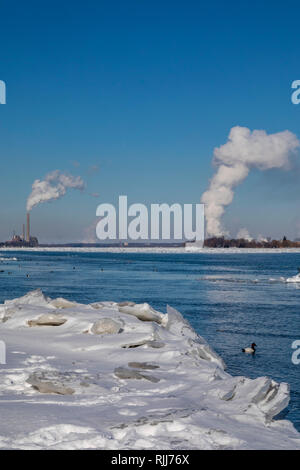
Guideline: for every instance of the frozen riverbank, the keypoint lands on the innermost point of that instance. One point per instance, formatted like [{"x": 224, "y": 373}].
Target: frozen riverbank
[{"x": 124, "y": 376}]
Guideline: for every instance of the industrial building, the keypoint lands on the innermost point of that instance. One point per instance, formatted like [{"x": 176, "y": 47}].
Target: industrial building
[{"x": 22, "y": 240}]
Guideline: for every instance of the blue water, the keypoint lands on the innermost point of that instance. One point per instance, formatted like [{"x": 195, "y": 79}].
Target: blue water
[{"x": 228, "y": 298}]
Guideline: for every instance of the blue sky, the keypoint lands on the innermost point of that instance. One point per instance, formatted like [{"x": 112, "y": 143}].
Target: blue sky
[{"x": 144, "y": 91}]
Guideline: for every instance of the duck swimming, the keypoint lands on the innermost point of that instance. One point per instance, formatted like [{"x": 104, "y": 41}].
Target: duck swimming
[{"x": 250, "y": 350}]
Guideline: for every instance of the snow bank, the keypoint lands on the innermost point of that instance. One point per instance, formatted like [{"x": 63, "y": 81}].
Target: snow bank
[{"x": 124, "y": 376}]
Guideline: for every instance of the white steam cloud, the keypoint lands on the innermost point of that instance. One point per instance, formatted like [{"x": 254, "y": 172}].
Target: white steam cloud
[
  {"x": 243, "y": 233},
  {"x": 243, "y": 150},
  {"x": 54, "y": 186}
]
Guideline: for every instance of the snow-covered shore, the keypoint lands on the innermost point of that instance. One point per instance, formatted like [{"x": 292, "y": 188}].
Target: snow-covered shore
[
  {"x": 152, "y": 250},
  {"x": 124, "y": 376}
]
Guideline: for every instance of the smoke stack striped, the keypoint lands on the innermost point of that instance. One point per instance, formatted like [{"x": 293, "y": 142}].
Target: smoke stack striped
[{"x": 28, "y": 227}]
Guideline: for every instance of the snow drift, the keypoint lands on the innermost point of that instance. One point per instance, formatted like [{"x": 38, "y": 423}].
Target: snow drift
[{"x": 124, "y": 376}]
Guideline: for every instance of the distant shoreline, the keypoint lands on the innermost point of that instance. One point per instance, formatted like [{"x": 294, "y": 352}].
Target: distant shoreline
[{"x": 151, "y": 250}]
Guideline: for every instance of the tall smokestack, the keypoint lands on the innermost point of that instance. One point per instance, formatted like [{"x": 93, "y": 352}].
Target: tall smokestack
[
  {"x": 28, "y": 227},
  {"x": 23, "y": 231}
]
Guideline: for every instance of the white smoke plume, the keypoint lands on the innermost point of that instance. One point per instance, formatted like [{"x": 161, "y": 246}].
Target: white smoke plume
[
  {"x": 261, "y": 238},
  {"x": 54, "y": 186},
  {"x": 243, "y": 150},
  {"x": 243, "y": 233}
]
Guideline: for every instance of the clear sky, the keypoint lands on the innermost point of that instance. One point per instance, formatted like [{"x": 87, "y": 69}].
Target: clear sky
[{"x": 133, "y": 96}]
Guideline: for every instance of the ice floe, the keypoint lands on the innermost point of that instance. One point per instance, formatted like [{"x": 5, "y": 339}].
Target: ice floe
[{"x": 294, "y": 278}]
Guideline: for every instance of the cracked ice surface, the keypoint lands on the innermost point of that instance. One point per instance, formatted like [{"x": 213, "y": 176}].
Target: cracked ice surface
[{"x": 149, "y": 383}]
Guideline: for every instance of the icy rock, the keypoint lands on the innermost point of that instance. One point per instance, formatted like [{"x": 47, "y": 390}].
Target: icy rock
[
  {"x": 269, "y": 396},
  {"x": 142, "y": 311},
  {"x": 41, "y": 382},
  {"x": 276, "y": 400},
  {"x": 126, "y": 304},
  {"x": 106, "y": 326},
  {"x": 47, "y": 320},
  {"x": 124, "y": 373},
  {"x": 62, "y": 303},
  {"x": 35, "y": 297}
]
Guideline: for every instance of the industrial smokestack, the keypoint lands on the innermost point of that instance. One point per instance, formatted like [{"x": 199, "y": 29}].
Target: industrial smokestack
[
  {"x": 23, "y": 231},
  {"x": 28, "y": 227}
]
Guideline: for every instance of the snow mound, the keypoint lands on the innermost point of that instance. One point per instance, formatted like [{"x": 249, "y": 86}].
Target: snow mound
[
  {"x": 142, "y": 379},
  {"x": 106, "y": 326},
  {"x": 35, "y": 297}
]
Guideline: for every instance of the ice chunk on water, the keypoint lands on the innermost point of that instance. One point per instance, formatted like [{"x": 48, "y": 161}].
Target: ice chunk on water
[{"x": 294, "y": 278}]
